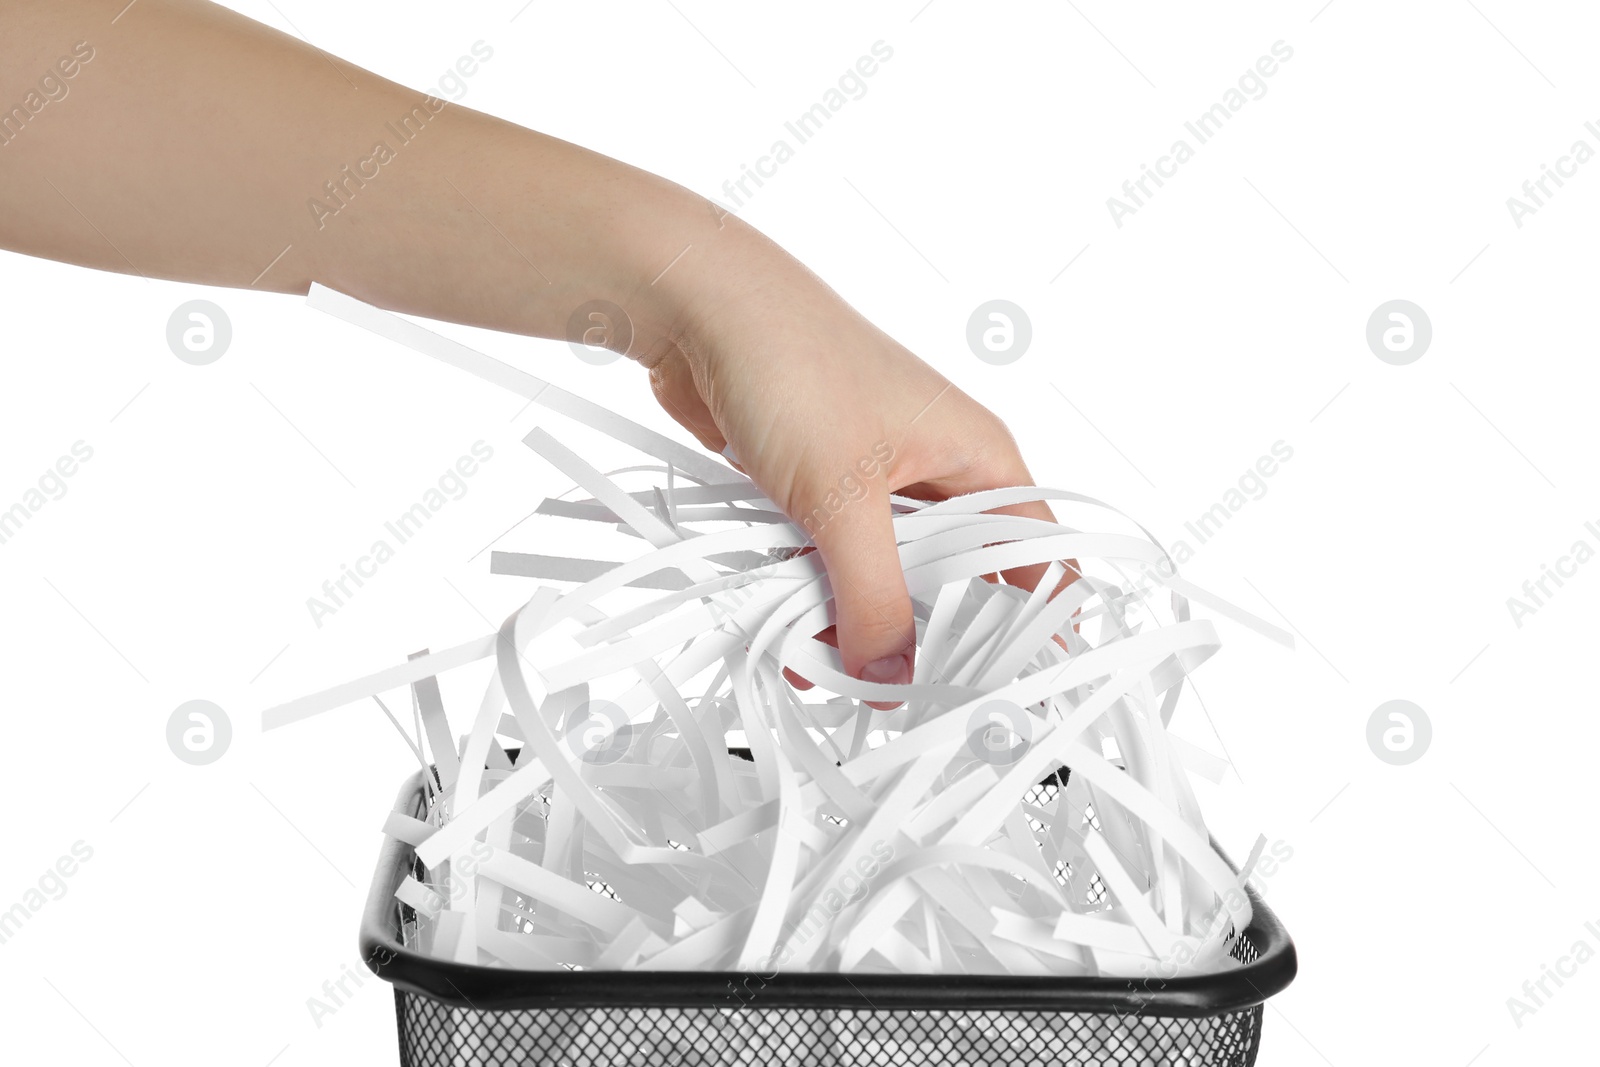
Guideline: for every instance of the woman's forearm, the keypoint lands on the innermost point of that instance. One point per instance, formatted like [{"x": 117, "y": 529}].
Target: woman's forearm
[
  {"x": 244, "y": 157},
  {"x": 188, "y": 142}
]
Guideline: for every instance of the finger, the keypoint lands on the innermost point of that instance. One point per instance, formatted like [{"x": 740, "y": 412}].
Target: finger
[
  {"x": 876, "y": 629},
  {"x": 1000, "y": 468}
]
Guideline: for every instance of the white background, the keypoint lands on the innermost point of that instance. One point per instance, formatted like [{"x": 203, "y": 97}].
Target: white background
[{"x": 1226, "y": 315}]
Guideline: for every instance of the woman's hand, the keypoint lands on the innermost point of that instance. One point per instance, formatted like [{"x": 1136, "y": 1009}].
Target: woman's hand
[
  {"x": 828, "y": 415},
  {"x": 479, "y": 221}
]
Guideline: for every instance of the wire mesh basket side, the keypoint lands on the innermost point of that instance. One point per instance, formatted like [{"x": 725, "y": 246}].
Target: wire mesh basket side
[{"x": 433, "y": 1034}]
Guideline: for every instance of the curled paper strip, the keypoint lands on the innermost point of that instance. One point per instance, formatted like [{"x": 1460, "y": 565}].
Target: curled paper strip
[{"x": 1026, "y": 809}]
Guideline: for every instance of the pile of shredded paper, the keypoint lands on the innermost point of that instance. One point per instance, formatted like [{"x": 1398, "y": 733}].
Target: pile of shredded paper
[{"x": 643, "y": 788}]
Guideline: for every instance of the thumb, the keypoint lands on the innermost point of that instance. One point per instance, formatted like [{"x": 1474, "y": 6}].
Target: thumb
[{"x": 877, "y": 631}]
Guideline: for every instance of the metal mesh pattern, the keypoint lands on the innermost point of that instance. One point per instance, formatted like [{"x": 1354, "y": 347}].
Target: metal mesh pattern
[
  {"x": 433, "y": 1034},
  {"x": 725, "y": 1032}
]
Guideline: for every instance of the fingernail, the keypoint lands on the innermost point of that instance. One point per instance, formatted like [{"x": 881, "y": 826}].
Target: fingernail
[{"x": 890, "y": 670}]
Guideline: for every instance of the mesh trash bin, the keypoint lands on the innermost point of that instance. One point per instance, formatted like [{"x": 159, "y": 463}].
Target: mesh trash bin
[{"x": 463, "y": 1015}]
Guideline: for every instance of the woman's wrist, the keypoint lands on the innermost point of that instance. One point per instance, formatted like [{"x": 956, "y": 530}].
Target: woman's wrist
[{"x": 692, "y": 270}]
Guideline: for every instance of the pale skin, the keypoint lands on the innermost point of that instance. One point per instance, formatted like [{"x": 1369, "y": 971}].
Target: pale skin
[{"x": 187, "y": 149}]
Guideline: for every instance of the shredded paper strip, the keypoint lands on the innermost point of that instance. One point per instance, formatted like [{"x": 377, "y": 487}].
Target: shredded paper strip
[{"x": 642, "y": 788}]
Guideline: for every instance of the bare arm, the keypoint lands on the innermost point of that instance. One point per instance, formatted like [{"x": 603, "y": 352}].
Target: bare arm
[
  {"x": 190, "y": 143},
  {"x": 195, "y": 144}
]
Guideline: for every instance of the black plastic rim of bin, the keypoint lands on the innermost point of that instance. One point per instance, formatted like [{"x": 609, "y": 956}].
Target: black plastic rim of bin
[{"x": 466, "y": 985}]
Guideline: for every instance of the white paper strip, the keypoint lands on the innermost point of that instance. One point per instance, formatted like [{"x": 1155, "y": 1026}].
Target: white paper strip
[{"x": 625, "y": 835}]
